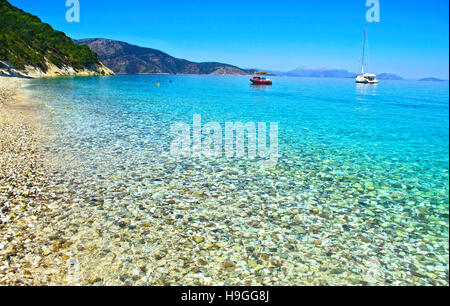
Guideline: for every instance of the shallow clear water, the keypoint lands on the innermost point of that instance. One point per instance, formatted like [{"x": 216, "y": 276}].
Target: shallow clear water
[{"x": 359, "y": 194}]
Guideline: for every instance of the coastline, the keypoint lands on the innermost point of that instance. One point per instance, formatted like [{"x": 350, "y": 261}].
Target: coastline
[
  {"x": 153, "y": 225},
  {"x": 24, "y": 192}
]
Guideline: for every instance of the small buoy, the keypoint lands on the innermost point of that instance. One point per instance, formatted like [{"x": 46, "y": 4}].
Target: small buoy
[{"x": 157, "y": 84}]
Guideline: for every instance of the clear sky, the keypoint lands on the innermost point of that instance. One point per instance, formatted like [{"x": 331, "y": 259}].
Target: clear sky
[{"x": 412, "y": 38}]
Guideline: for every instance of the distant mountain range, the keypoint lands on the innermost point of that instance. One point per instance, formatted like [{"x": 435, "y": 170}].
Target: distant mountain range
[
  {"x": 389, "y": 76},
  {"x": 328, "y": 73},
  {"x": 320, "y": 73},
  {"x": 124, "y": 58},
  {"x": 432, "y": 80}
]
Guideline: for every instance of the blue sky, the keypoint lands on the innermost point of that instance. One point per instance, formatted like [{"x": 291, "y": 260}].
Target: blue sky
[{"x": 411, "y": 40}]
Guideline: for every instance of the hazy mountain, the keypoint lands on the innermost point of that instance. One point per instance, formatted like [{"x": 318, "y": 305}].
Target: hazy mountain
[
  {"x": 124, "y": 58},
  {"x": 320, "y": 73},
  {"x": 314, "y": 73},
  {"x": 29, "y": 47},
  {"x": 328, "y": 73},
  {"x": 431, "y": 80},
  {"x": 389, "y": 76}
]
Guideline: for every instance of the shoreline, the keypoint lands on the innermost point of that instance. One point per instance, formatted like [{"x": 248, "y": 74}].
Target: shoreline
[
  {"x": 24, "y": 193},
  {"x": 67, "y": 225}
]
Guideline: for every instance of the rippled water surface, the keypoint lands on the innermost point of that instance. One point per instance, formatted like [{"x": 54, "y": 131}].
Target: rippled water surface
[{"x": 359, "y": 194}]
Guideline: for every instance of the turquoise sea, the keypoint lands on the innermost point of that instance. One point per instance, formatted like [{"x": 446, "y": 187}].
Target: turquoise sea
[{"x": 360, "y": 194}]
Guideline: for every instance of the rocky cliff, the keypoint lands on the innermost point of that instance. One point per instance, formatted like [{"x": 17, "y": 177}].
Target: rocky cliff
[{"x": 123, "y": 58}]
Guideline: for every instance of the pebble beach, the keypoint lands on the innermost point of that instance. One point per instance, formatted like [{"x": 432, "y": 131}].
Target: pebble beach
[
  {"x": 23, "y": 192},
  {"x": 85, "y": 211}
]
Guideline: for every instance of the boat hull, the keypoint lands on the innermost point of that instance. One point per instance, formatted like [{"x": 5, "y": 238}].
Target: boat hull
[
  {"x": 363, "y": 80},
  {"x": 367, "y": 82},
  {"x": 256, "y": 81}
]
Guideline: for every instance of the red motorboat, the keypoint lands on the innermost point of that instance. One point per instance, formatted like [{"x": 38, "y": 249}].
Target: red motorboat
[{"x": 260, "y": 79}]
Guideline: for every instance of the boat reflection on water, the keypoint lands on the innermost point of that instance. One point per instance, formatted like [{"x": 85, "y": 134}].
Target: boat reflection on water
[
  {"x": 365, "y": 93},
  {"x": 259, "y": 93},
  {"x": 256, "y": 87},
  {"x": 366, "y": 90}
]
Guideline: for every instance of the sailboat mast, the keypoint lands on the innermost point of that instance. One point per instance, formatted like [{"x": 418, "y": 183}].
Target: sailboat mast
[{"x": 363, "y": 52}]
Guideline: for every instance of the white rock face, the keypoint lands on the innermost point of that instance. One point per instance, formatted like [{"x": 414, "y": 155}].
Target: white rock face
[{"x": 34, "y": 72}]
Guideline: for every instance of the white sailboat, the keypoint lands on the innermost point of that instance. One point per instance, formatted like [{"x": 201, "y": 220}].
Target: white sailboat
[{"x": 364, "y": 77}]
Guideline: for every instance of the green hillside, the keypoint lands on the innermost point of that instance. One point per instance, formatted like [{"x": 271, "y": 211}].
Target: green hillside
[{"x": 25, "y": 40}]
